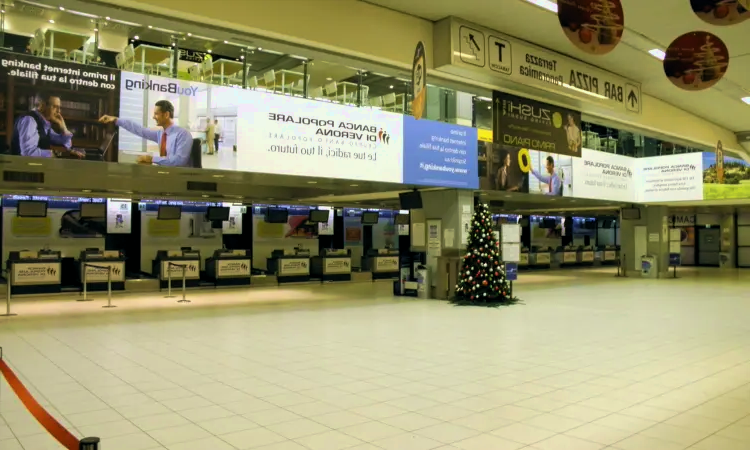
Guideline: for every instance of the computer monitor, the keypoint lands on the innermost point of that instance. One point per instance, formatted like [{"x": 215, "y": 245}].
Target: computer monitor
[
  {"x": 631, "y": 214},
  {"x": 169, "y": 212},
  {"x": 277, "y": 215},
  {"x": 93, "y": 210},
  {"x": 319, "y": 215},
  {"x": 370, "y": 217},
  {"x": 410, "y": 200},
  {"x": 217, "y": 213},
  {"x": 31, "y": 208},
  {"x": 402, "y": 219}
]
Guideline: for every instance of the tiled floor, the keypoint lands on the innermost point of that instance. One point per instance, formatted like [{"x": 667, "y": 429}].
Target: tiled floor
[{"x": 589, "y": 361}]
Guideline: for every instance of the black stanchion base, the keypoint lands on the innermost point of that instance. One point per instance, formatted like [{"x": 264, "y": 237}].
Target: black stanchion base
[
  {"x": 89, "y": 443},
  {"x": 8, "y": 315},
  {"x": 184, "y": 301},
  {"x": 170, "y": 296},
  {"x": 85, "y": 300},
  {"x": 109, "y": 306}
]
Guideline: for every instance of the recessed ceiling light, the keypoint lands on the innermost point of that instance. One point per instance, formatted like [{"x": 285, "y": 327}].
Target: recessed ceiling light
[
  {"x": 746, "y": 100},
  {"x": 329, "y": 79},
  {"x": 391, "y": 86},
  {"x": 226, "y": 42},
  {"x": 353, "y": 185},
  {"x": 260, "y": 49},
  {"x": 35, "y": 164},
  {"x": 546, "y": 4},
  {"x": 209, "y": 50},
  {"x": 51, "y": 21},
  {"x": 136, "y": 37},
  {"x": 204, "y": 196},
  {"x": 62, "y": 9},
  {"x": 96, "y": 29},
  {"x": 163, "y": 172},
  {"x": 190, "y": 34},
  {"x": 86, "y": 190},
  {"x": 658, "y": 53},
  {"x": 106, "y": 18},
  {"x": 312, "y": 182},
  {"x": 150, "y": 26},
  {"x": 218, "y": 176},
  {"x": 242, "y": 57}
]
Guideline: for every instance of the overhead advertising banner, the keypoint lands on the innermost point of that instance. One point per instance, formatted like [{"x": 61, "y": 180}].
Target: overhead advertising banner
[
  {"x": 725, "y": 177},
  {"x": 276, "y": 134},
  {"x": 670, "y": 178},
  {"x": 439, "y": 154},
  {"x": 486, "y": 55},
  {"x": 51, "y": 108},
  {"x": 600, "y": 175},
  {"x": 503, "y": 167},
  {"x": 593, "y": 26},
  {"x": 521, "y": 122}
]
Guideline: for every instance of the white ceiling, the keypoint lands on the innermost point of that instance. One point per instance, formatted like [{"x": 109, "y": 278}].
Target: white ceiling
[{"x": 649, "y": 24}]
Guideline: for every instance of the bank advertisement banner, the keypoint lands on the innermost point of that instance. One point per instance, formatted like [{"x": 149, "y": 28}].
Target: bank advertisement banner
[
  {"x": 51, "y": 108},
  {"x": 600, "y": 175},
  {"x": 227, "y": 128},
  {"x": 524, "y": 123},
  {"x": 671, "y": 178}
]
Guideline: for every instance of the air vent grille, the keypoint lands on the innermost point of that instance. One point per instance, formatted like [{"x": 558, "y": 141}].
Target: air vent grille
[
  {"x": 202, "y": 186},
  {"x": 23, "y": 177}
]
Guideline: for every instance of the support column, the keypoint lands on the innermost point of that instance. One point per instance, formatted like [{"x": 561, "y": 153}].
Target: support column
[
  {"x": 445, "y": 219},
  {"x": 728, "y": 255},
  {"x": 647, "y": 236}
]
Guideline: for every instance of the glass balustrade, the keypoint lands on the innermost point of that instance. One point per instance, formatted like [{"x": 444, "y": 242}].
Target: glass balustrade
[{"x": 49, "y": 31}]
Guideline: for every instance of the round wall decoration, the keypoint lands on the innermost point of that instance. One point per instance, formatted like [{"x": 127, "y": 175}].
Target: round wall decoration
[
  {"x": 594, "y": 26},
  {"x": 696, "y": 61}
]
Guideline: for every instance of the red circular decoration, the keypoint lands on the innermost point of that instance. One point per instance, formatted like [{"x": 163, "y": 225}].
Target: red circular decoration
[
  {"x": 696, "y": 61},
  {"x": 484, "y": 283},
  {"x": 721, "y": 12},
  {"x": 594, "y": 26}
]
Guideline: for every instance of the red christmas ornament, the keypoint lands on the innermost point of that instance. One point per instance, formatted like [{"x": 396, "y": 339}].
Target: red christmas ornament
[
  {"x": 497, "y": 274},
  {"x": 484, "y": 283},
  {"x": 503, "y": 292}
]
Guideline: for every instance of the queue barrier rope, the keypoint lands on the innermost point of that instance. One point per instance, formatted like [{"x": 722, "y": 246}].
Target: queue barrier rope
[{"x": 45, "y": 419}]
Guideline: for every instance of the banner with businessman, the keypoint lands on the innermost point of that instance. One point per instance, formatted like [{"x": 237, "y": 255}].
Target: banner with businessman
[{"x": 52, "y": 108}]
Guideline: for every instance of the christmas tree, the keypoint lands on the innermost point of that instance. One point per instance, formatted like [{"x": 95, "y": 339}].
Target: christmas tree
[{"x": 482, "y": 279}]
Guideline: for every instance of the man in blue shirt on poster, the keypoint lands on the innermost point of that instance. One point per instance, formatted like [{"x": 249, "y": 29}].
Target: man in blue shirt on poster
[
  {"x": 175, "y": 143},
  {"x": 34, "y": 134},
  {"x": 551, "y": 179}
]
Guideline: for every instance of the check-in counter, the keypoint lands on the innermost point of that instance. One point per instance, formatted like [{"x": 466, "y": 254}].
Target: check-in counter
[
  {"x": 332, "y": 265},
  {"x": 289, "y": 266},
  {"x": 523, "y": 258},
  {"x": 540, "y": 257},
  {"x": 382, "y": 263},
  {"x": 33, "y": 272},
  {"x": 229, "y": 268},
  {"x": 587, "y": 255},
  {"x": 95, "y": 266},
  {"x": 171, "y": 263},
  {"x": 567, "y": 256},
  {"x": 610, "y": 254}
]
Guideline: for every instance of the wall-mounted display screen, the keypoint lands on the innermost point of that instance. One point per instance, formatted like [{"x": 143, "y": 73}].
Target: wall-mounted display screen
[
  {"x": 32, "y": 208},
  {"x": 319, "y": 215},
  {"x": 370, "y": 217},
  {"x": 169, "y": 212},
  {"x": 217, "y": 213},
  {"x": 93, "y": 210}
]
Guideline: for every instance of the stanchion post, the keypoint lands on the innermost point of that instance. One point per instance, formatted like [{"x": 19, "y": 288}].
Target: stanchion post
[
  {"x": 109, "y": 289},
  {"x": 85, "y": 284},
  {"x": 89, "y": 443},
  {"x": 169, "y": 281},
  {"x": 7, "y": 301},
  {"x": 184, "y": 275}
]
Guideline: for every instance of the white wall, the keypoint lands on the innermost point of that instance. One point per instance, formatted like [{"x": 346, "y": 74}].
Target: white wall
[
  {"x": 151, "y": 244},
  {"x": 70, "y": 247}
]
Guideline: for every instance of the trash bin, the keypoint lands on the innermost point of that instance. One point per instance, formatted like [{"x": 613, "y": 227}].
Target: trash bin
[
  {"x": 423, "y": 282},
  {"x": 725, "y": 261},
  {"x": 648, "y": 267}
]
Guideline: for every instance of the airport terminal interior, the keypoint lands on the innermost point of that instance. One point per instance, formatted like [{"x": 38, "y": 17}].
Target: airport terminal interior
[{"x": 423, "y": 225}]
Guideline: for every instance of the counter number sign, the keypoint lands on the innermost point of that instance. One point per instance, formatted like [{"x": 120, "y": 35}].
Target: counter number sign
[
  {"x": 501, "y": 57},
  {"x": 471, "y": 46}
]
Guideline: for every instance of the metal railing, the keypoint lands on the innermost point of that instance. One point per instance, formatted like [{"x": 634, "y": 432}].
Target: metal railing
[
  {"x": 169, "y": 281},
  {"x": 109, "y": 284},
  {"x": 8, "y": 285}
]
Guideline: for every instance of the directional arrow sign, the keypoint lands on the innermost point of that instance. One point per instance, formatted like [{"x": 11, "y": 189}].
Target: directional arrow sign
[
  {"x": 632, "y": 98},
  {"x": 474, "y": 41},
  {"x": 471, "y": 44}
]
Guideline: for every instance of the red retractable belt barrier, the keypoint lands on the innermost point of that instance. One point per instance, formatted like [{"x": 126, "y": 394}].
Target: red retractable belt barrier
[{"x": 52, "y": 426}]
